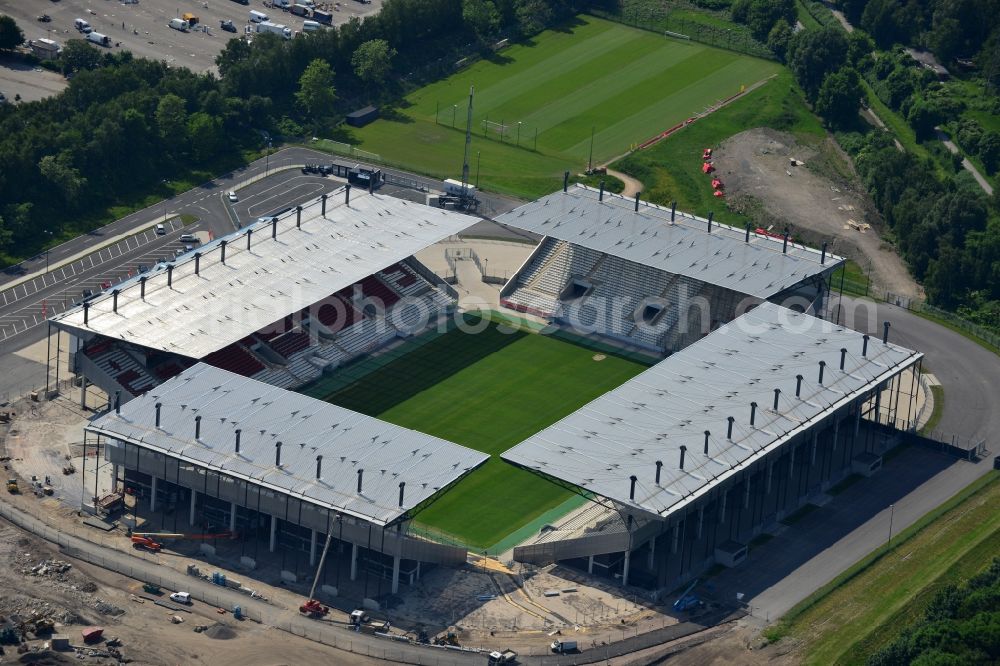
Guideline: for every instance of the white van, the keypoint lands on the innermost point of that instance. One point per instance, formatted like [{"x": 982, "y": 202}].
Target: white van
[
  {"x": 99, "y": 39},
  {"x": 257, "y": 17},
  {"x": 82, "y": 26},
  {"x": 311, "y": 26},
  {"x": 179, "y": 24},
  {"x": 281, "y": 4}
]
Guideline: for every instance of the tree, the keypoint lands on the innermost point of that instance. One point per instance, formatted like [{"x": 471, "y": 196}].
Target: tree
[
  {"x": 533, "y": 15},
  {"x": 171, "y": 119},
  {"x": 763, "y": 14},
  {"x": 839, "y": 96},
  {"x": 58, "y": 169},
  {"x": 482, "y": 16},
  {"x": 316, "y": 92},
  {"x": 859, "y": 50},
  {"x": 812, "y": 54},
  {"x": 78, "y": 56},
  {"x": 205, "y": 135},
  {"x": 372, "y": 61},
  {"x": 923, "y": 116},
  {"x": 11, "y": 35},
  {"x": 779, "y": 37}
]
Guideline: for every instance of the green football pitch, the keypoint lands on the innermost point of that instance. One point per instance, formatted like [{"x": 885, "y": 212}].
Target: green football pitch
[
  {"x": 623, "y": 83},
  {"x": 488, "y": 391}
]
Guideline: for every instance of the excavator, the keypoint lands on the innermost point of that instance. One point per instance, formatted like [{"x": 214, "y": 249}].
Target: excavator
[{"x": 148, "y": 540}]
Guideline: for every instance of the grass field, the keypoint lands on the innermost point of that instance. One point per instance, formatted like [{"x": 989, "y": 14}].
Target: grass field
[
  {"x": 487, "y": 391},
  {"x": 671, "y": 170},
  {"x": 627, "y": 84},
  {"x": 866, "y": 607}
]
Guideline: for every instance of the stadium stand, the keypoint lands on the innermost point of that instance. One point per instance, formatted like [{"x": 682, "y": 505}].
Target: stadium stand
[{"x": 235, "y": 358}]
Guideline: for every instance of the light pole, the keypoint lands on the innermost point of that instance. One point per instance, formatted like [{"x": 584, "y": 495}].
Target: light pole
[
  {"x": 454, "y": 109},
  {"x": 267, "y": 157},
  {"x": 892, "y": 510},
  {"x": 518, "y": 133},
  {"x": 49, "y": 234},
  {"x": 479, "y": 154},
  {"x": 167, "y": 183},
  {"x": 590, "y": 160}
]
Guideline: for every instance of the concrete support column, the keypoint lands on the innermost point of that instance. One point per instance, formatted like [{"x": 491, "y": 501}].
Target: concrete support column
[
  {"x": 274, "y": 534},
  {"x": 232, "y": 516},
  {"x": 194, "y": 499},
  {"x": 312, "y": 548},
  {"x": 590, "y": 564},
  {"x": 83, "y": 391},
  {"x": 791, "y": 464},
  {"x": 815, "y": 445},
  {"x": 652, "y": 551},
  {"x": 836, "y": 433},
  {"x": 418, "y": 569},
  {"x": 114, "y": 477},
  {"x": 746, "y": 493},
  {"x": 857, "y": 421},
  {"x": 701, "y": 519},
  {"x": 395, "y": 574},
  {"x": 354, "y": 561},
  {"x": 152, "y": 497},
  {"x": 722, "y": 506},
  {"x": 628, "y": 555},
  {"x": 767, "y": 484}
]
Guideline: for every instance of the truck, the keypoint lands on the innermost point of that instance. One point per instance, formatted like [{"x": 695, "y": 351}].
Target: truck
[
  {"x": 258, "y": 17},
  {"x": 276, "y": 28},
  {"x": 359, "y": 617},
  {"x": 12, "y": 487},
  {"x": 497, "y": 658},
  {"x": 99, "y": 39},
  {"x": 179, "y": 24},
  {"x": 454, "y": 187},
  {"x": 322, "y": 16},
  {"x": 192, "y": 19},
  {"x": 299, "y": 10},
  {"x": 562, "y": 647}
]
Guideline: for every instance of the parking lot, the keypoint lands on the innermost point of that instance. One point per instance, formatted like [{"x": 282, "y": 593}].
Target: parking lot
[
  {"x": 142, "y": 27},
  {"x": 66, "y": 285}
]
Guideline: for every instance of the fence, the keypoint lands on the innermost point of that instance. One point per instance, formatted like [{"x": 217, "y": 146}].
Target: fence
[
  {"x": 661, "y": 20},
  {"x": 986, "y": 336}
]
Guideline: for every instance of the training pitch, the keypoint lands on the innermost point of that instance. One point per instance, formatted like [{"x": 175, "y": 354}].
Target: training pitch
[
  {"x": 624, "y": 83},
  {"x": 488, "y": 391}
]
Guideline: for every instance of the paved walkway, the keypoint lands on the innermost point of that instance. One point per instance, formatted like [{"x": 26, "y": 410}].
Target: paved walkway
[{"x": 966, "y": 164}]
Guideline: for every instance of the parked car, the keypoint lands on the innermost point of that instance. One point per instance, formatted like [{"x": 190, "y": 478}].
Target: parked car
[
  {"x": 181, "y": 597},
  {"x": 227, "y": 25},
  {"x": 232, "y": 197},
  {"x": 160, "y": 230},
  {"x": 188, "y": 238},
  {"x": 106, "y": 284},
  {"x": 143, "y": 268},
  {"x": 45, "y": 18}
]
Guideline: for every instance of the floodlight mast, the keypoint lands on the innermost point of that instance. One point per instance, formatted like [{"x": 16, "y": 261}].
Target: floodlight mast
[{"x": 468, "y": 147}]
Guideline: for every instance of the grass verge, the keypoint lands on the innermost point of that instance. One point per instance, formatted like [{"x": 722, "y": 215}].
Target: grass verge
[
  {"x": 935, "y": 418},
  {"x": 867, "y": 605}
]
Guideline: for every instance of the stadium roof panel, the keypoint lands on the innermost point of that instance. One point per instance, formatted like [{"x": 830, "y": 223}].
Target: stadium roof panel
[
  {"x": 647, "y": 419},
  {"x": 210, "y": 304},
  {"x": 306, "y": 427},
  {"x": 684, "y": 247}
]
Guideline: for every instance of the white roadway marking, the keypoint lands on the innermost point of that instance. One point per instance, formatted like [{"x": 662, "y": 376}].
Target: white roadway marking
[{"x": 289, "y": 200}]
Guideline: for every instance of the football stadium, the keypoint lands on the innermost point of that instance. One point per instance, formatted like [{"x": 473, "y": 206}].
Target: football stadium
[{"x": 650, "y": 391}]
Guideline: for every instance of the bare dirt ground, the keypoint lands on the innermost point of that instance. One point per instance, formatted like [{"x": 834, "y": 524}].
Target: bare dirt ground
[
  {"x": 30, "y": 82},
  {"x": 37, "y": 584},
  {"x": 736, "y": 643},
  {"x": 816, "y": 201}
]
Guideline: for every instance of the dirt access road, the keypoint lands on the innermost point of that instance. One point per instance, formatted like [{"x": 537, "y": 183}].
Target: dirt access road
[{"x": 756, "y": 169}]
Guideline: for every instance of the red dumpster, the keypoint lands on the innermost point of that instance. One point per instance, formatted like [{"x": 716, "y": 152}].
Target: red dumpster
[{"x": 92, "y": 634}]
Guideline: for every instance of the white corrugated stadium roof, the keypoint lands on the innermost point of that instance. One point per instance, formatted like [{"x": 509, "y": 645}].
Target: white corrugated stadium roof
[
  {"x": 306, "y": 427},
  {"x": 685, "y": 247},
  {"x": 624, "y": 432},
  {"x": 224, "y": 303}
]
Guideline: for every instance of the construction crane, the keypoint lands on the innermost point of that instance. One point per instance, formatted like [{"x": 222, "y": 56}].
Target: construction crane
[
  {"x": 148, "y": 540},
  {"x": 312, "y": 607}
]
